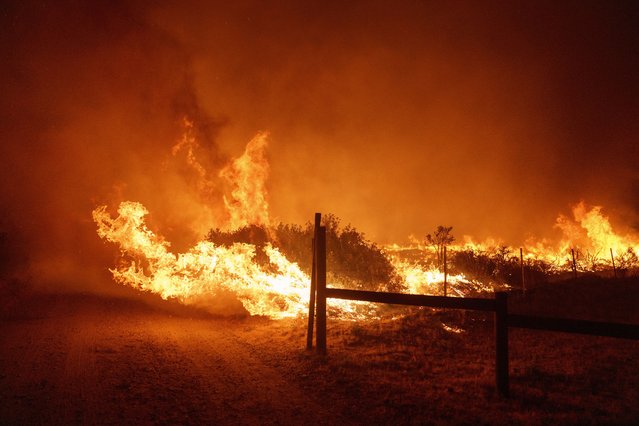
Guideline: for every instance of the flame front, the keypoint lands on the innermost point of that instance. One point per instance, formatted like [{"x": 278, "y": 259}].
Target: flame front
[
  {"x": 430, "y": 280},
  {"x": 279, "y": 290}
]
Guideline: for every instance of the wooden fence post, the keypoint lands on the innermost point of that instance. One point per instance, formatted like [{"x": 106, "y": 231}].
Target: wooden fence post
[
  {"x": 523, "y": 275},
  {"x": 321, "y": 290},
  {"x": 311, "y": 299},
  {"x": 574, "y": 264},
  {"x": 501, "y": 342},
  {"x": 445, "y": 274},
  {"x": 614, "y": 268}
]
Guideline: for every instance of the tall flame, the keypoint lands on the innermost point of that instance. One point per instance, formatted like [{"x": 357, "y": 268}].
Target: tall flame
[
  {"x": 594, "y": 231},
  {"x": 277, "y": 288},
  {"x": 247, "y": 174},
  {"x": 189, "y": 144}
]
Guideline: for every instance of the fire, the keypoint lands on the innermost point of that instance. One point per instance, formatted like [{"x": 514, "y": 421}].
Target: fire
[
  {"x": 277, "y": 290},
  {"x": 430, "y": 280},
  {"x": 277, "y": 287},
  {"x": 248, "y": 173},
  {"x": 588, "y": 233},
  {"x": 595, "y": 232}
]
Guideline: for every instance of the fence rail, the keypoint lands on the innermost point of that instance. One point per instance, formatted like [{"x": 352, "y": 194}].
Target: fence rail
[
  {"x": 475, "y": 304},
  {"x": 498, "y": 305},
  {"x": 592, "y": 328}
]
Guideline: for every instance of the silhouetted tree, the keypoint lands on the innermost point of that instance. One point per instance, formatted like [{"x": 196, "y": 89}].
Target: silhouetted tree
[{"x": 440, "y": 239}]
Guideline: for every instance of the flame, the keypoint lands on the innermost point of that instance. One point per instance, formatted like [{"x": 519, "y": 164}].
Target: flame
[
  {"x": 595, "y": 231},
  {"x": 278, "y": 290},
  {"x": 430, "y": 280},
  {"x": 247, "y": 174},
  {"x": 189, "y": 144},
  {"x": 588, "y": 232}
]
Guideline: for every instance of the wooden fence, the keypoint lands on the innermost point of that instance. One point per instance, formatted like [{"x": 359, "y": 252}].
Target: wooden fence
[{"x": 499, "y": 305}]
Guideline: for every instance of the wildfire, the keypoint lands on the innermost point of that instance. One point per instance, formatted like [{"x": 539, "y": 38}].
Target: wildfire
[
  {"x": 279, "y": 290},
  {"x": 588, "y": 234},
  {"x": 248, "y": 173},
  {"x": 430, "y": 280},
  {"x": 276, "y": 287}
]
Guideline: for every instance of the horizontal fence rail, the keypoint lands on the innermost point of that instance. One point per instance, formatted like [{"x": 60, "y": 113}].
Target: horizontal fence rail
[
  {"x": 593, "y": 328},
  {"x": 474, "y": 304},
  {"x": 498, "y": 305}
]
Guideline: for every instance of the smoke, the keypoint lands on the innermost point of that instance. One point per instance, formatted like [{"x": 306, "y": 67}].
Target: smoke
[
  {"x": 94, "y": 96},
  {"x": 492, "y": 118},
  {"x": 398, "y": 117}
]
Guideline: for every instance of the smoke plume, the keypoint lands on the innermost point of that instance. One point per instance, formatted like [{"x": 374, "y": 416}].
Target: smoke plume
[{"x": 396, "y": 116}]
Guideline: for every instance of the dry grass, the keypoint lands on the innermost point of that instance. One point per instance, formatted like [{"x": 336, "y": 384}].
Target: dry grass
[
  {"x": 418, "y": 370},
  {"x": 86, "y": 359}
]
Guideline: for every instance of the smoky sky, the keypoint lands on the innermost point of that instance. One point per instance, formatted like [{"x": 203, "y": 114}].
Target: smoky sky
[{"x": 491, "y": 117}]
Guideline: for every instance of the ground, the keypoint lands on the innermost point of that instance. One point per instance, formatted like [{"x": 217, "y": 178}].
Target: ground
[{"x": 86, "y": 359}]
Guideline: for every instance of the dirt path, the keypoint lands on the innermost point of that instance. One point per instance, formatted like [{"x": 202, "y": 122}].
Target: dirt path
[{"x": 86, "y": 360}]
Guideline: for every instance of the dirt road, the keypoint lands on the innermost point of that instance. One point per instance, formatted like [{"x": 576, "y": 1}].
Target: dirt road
[{"x": 90, "y": 360}]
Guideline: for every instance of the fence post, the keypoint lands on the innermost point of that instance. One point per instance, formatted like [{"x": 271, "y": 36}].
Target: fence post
[
  {"x": 574, "y": 264},
  {"x": 614, "y": 268},
  {"x": 501, "y": 342},
  {"x": 321, "y": 290},
  {"x": 523, "y": 275},
  {"x": 311, "y": 299},
  {"x": 445, "y": 274}
]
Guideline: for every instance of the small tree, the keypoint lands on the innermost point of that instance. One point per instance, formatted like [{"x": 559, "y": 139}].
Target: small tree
[{"x": 440, "y": 239}]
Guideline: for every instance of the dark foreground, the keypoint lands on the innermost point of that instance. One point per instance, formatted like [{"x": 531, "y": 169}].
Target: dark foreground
[{"x": 81, "y": 359}]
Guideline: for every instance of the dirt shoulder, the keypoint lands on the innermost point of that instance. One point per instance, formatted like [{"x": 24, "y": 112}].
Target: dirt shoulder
[{"x": 90, "y": 360}]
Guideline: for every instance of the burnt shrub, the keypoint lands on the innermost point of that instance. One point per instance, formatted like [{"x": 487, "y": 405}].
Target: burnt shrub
[
  {"x": 355, "y": 260},
  {"x": 352, "y": 261},
  {"x": 500, "y": 265},
  {"x": 627, "y": 263}
]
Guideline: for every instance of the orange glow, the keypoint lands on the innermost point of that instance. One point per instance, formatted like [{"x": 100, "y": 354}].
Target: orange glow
[
  {"x": 247, "y": 174},
  {"x": 429, "y": 280},
  {"x": 280, "y": 288},
  {"x": 278, "y": 291}
]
